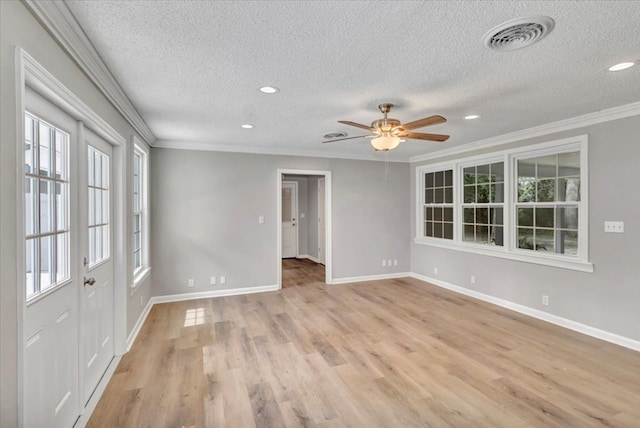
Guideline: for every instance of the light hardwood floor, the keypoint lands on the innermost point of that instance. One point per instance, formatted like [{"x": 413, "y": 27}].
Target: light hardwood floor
[
  {"x": 301, "y": 272},
  {"x": 392, "y": 353}
]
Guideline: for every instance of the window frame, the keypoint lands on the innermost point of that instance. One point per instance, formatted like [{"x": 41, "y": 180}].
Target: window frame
[
  {"x": 141, "y": 272},
  {"x": 510, "y": 250}
]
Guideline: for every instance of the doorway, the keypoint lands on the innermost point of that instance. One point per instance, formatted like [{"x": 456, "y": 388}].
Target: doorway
[{"x": 304, "y": 195}]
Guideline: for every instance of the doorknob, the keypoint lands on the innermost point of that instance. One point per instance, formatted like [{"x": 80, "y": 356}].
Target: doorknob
[{"x": 89, "y": 281}]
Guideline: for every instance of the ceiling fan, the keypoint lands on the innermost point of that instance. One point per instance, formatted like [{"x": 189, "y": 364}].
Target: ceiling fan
[{"x": 388, "y": 133}]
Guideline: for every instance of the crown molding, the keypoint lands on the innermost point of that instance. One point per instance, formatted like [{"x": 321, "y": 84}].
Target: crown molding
[
  {"x": 607, "y": 115},
  {"x": 186, "y": 145},
  {"x": 56, "y": 17}
]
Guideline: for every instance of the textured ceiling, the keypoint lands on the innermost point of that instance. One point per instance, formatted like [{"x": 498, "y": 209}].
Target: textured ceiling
[{"x": 193, "y": 69}]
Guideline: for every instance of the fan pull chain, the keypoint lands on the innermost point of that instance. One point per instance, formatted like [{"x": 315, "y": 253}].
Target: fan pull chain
[{"x": 386, "y": 167}]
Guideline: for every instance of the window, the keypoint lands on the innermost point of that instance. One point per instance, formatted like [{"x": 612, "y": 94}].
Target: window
[
  {"x": 525, "y": 204},
  {"x": 140, "y": 223},
  {"x": 46, "y": 205},
  {"x": 98, "y": 179},
  {"x": 438, "y": 204},
  {"x": 483, "y": 203},
  {"x": 548, "y": 203}
]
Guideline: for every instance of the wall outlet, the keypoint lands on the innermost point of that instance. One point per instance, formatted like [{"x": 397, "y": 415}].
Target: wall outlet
[
  {"x": 192, "y": 282},
  {"x": 614, "y": 226},
  {"x": 473, "y": 279},
  {"x": 435, "y": 270},
  {"x": 213, "y": 280},
  {"x": 223, "y": 280},
  {"x": 302, "y": 215},
  {"x": 384, "y": 262},
  {"x": 545, "y": 300},
  {"x": 389, "y": 263},
  {"x": 261, "y": 219},
  {"x": 395, "y": 262}
]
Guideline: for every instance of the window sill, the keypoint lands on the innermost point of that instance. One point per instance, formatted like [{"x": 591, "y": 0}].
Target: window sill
[
  {"x": 500, "y": 252},
  {"x": 139, "y": 279}
]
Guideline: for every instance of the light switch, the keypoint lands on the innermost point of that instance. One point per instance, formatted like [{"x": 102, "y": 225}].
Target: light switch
[
  {"x": 614, "y": 226},
  {"x": 261, "y": 219},
  {"x": 301, "y": 215}
]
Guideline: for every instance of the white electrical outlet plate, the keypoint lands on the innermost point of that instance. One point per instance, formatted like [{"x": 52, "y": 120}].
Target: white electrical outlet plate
[
  {"x": 192, "y": 282},
  {"x": 545, "y": 300},
  {"x": 384, "y": 262},
  {"x": 223, "y": 280},
  {"x": 389, "y": 262},
  {"x": 213, "y": 280},
  {"x": 395, "y": 262},
  {"x": 301, "y": 215},
  {"x": 614, "y": 226},
  {"x": 261, "y": 219},
  {"x": 473, "y": 279},
  {"x": 435, "y": 270}
]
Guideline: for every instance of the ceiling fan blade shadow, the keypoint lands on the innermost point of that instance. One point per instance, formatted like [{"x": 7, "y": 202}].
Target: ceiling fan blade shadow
[
  {"x": 423, "y": 136},
  {"x": 421, "y": 123},
  {"x": 348, "y": 138},
  {"x": 357, "y": 125}
]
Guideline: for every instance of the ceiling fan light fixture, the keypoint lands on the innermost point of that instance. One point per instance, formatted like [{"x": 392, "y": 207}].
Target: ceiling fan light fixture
[{"x": 384, "y": 143}]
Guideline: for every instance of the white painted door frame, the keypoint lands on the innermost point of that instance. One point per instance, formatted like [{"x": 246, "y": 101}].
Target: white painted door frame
[
  {"x": 328, "y": 214},
  {"x": 296, "y": 223},
  {"x": 31, "y": 73},
  {"x": 322, "y": 230}
]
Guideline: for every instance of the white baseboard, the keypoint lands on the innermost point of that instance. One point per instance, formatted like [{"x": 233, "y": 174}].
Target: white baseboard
[
  {"x": 81, "y": 422},
  {"x": 348, "y": 280},
  {"x": 310, "y": 257},
  {"x": 136, "y": 328},
  {"x": 213, "y": 293},
  {"x": 535, "y": 313}
]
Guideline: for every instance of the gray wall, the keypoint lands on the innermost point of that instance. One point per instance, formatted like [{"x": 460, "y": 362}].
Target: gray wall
[
  {"x": 609, "y": 298},
  {"x": 19, "y": 28},
  {"x": 206, "y": 207}
]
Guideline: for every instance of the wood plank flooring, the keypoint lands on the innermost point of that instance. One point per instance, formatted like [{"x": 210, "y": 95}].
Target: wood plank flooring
[
  {"x": 301, "y": 272},
  {"x": 392, "y": 353}
]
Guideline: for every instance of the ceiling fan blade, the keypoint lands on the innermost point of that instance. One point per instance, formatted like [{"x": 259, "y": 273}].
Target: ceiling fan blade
[
  {"x": 422, "y": 136},
  {"x": 357, "y": 125},
  {"x": 342, "y": 139},
  {"x": 420, "y": 123}
]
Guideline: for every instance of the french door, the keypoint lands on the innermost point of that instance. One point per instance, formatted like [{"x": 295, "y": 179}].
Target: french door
[{"x": 68, "y": 316}]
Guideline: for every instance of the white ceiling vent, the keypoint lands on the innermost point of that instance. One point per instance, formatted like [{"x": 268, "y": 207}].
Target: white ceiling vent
[{"x": 518, "y": 33}]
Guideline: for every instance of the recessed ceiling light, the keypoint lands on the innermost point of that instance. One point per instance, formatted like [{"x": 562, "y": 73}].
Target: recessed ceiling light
[
  {"x": 472, "y": 116},
  {"x": 269, "y": 89},
  {"x": 247, "y": 126},
  {"x": 622, "y": 66}
]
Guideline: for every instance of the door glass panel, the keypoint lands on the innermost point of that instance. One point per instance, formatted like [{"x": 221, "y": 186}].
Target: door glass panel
[
  {"x": 46, "y": 214},
  {"x": 98, "y": 209},
  {"x": 286, "y": 204}
]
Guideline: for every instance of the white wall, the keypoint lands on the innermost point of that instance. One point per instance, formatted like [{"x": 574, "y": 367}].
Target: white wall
[
  {"x": 19, "y": 28},
  {"x": 608, "y": 298},
  {"x": 206, "y": 207}
]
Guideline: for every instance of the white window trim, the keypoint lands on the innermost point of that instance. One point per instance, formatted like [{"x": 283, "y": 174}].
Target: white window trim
[
  {"x": 509, "y": 250},
  {"x": 140, "y": 274}
]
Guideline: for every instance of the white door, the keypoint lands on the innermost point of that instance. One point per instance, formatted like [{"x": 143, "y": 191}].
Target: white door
[
  {"x": 289, "y": 223},
  {"x": 50, "y": 355},
  {"x": 321, "y": 221},
  {"x": 68, "y": 326},
  {"x": 96, "y": 296}
]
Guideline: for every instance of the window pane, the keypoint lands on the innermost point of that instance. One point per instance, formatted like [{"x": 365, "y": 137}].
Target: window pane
[
  {"x": 448, "y": 195},
  {"x": 525, "y": 238},
  {"x": 497, "y": 236},
  {"x": 569, "y": 189},
  {"x": 497, "y": 171},
  {"x": 544, "y": 240},
  {"x": 497, "y": 192},
  {"x": 62, "y": 257},
  {"x": 526, "y": 189},
  {"x": 105, "y": 171},
  {"x": 62, "y": 203},
  {"x": 136, "y": 260},
  {"x": 105, "y": 241},
  {"x": 482, "y": 234},
  {"x": 470, "y": 175},
  {"x": 105, "y": 206},
  {"x": 61, "y": 155},
  {"x": 482, "y": 215},
  {"x": 30, "y": 205},
  {"x": 429, "y": 229},
  {"x": 544, "y": 217},
  {"x": 437, "y": 230},
  {"x": 469, "y": 215},
  {"x": 428, "y": 196},
  {"x": 546, "y": 190},
  {"x": 29, "y": 146},
  {"x": 483, "y": 173},
  {"x": 568, "y": 217},
  {"x": 92, "y": 245},
  {"x": 469, "y": 233},
  {"x": 136, "y": 223},
  {"x": 97, "y": 171},
  {"x": 439, "y": 196},
  {"x": 136, "y": 241},
  {"x": 31, "y": 267},
  {"x": 525, "y": 216},
  {"x": 448, "y": 231},
  {"x": 448, "y": 214},
  {"x": 483, "y": 193},
  {"x": 428, "y": 213},
  {"x": 46, "y": 262},
  {"x": 428, "y": 180},
  {"x": 439, "y": 179},
  {"x": 469, "y": 194},
  {"x": 47, "y": 205},
  {"x": 547, "y": 166},
  {"x": 568, "y": 242},
  {"x": 448, "y": 177},
  {"x": 91, "y": 167},
  {"x": 44, "y": 154},
  {"x": 437, "y": 213}
]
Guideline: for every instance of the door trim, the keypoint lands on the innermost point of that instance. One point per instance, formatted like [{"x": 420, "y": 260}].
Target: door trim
[
  {"x": 328, "y": 250},
  {"x": 30, "y": 72},
  {"x": 296, "y": 213}
]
